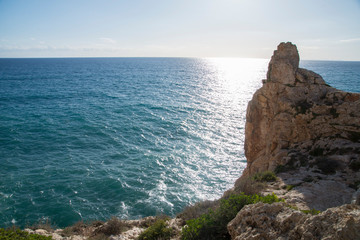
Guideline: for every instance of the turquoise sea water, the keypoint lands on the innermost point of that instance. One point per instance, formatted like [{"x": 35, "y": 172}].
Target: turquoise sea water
[{"x": 91, "y": 138}]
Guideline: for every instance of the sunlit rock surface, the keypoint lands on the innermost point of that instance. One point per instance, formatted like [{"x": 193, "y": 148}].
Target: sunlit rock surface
[
  {"x": 296, "y": 118},
  {"x": 278, "y": 221},
  {"x": 309, "y": 133}
]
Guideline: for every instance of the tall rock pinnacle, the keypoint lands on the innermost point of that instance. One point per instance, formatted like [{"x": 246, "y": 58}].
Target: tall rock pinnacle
[
  {"x": 296, "y": 117},
  {"x": 284, "y": 64}
]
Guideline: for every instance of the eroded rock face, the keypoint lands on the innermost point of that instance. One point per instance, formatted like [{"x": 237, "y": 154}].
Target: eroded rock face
[
  {"x": 278, "y": 221},
  {"x": 296, "y": 118},
  {"x": 264, "y": 221},
  {"x": 310, "y": 132},
  {"x": 283, "y": 64}
]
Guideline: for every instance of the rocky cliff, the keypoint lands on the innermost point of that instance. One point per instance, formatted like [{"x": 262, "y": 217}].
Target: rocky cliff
[
  {"x": 309, "y": 133},
  {"x": 297, "y": 119}
]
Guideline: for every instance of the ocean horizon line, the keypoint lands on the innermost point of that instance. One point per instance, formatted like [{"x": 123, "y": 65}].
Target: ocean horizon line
[{"x": 174, "y": 57}]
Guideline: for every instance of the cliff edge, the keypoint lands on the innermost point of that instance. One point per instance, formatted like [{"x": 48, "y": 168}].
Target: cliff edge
[
  {"x": 297, "y": 119},
  {"x": 306, "y": 131},
  {"x": 309, "y": 134}
]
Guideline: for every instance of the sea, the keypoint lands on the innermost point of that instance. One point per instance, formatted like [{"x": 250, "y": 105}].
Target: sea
[{"x": 91, "y": 138}]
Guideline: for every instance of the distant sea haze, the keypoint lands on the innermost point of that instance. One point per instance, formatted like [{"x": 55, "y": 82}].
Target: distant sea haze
[{"x": 91, "y": 138}]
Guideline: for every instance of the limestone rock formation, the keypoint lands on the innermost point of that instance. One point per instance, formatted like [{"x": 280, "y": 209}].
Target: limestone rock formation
[
  {"x": 296, "y": 119},
  {"x": 309, "y": 133},
  {"x": 278, "y": 221}
]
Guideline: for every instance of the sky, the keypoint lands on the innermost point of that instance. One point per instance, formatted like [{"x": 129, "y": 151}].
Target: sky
[{"x": 321, "y": 29}]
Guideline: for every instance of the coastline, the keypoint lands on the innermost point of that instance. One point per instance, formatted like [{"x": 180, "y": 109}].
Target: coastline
[{"x": 291, "y": 130}]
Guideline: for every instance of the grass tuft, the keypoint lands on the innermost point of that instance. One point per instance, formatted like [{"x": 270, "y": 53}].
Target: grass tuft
[
  {"x": 312, "y": 211},
  {"x": 114, "y": 226},
  {"x": 198, "y": 209},
  {"x": 266, "y": 176}
]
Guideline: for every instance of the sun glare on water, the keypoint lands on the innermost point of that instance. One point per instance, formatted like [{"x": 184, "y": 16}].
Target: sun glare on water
[
  {"x": 238, "y": 74},
  {"x": 230, "y": 83}
]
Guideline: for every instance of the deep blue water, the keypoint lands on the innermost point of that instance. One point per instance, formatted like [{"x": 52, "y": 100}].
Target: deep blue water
[
  {"x": 92, "y": 138},
  {"x": 343, "y": 75}
]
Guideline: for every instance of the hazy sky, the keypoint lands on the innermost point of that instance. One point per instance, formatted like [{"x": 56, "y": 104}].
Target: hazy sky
[{"x": 322, "y": 29}]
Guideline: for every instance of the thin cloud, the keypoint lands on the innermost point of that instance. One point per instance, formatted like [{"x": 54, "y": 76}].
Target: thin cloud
[
  {"x": 108, "y": 40},
  {"x": 310, "y": 47},
  {"x": 350, "y": 40},
  {"x": 61, "y": 48}
]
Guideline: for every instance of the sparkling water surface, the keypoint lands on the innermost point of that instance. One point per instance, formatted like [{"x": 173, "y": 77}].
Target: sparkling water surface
[{"x": 91, "y": 138}]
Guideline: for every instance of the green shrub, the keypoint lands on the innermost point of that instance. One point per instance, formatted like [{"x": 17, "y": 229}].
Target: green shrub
[
  {"x": 149, "y": 221},
  {"x": 197, "y": 210},
  {"x": 17, "y": 234},
  {"x": 266, "y": 176},
  {"x": 312, "y": 211},
  {"x": 212, "y": 225},
  {"x": 159, "y": 230},
  {"x": 289, "y": 187}
]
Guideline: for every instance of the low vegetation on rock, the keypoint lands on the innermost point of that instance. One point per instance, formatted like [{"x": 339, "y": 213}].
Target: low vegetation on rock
[
  {"x": 212, "y": 225},
  {"x": 267, "y": 176},
  {"x": 97, "y": 229},
  {"x": 17, "y": 234},
  {"x": 159, "y": 230},
  {"x": 253, "y": 184},
  {"x": 312, "y": 211},
  {"x": 198, "y": 209},
  {"x": 114, "y": 226}
]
